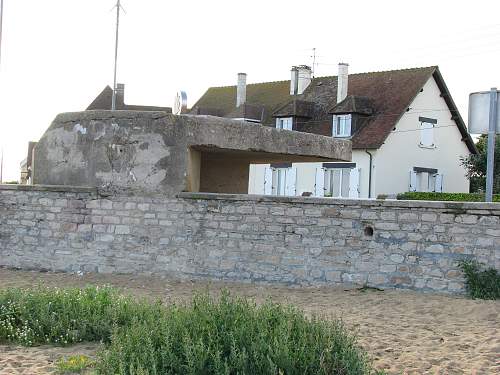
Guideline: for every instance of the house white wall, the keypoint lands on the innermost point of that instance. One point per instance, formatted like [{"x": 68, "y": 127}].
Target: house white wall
[
  {"x": 401, "y": 151},
  {"x": 391, "y": 163}
]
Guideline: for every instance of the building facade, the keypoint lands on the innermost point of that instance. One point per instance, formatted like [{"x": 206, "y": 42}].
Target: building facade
[{"x": 406, "y": 132}]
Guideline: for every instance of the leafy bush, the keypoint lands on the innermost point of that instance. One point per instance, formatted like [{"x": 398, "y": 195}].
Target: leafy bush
[
  {"x": 481, "y": 283},
  {"x": 224, "y": 336},
  {"x": 74, "y": 364},
  {"x": 461, "y": 197},
  {"x": 232, "y": 336}
]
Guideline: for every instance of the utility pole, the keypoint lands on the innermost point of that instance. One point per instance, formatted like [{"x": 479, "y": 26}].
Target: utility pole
[
  {"x": 491, "y": 144},
  {"x": 1, "y": 22},
  {"x": 113, "y": 100},
  {"x": 1, "y": 167}
]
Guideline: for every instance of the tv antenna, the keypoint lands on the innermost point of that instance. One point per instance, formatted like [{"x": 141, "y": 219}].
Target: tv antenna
[
  {"x": 118, "y": 8},
  {"x": 314, "y": 61}
]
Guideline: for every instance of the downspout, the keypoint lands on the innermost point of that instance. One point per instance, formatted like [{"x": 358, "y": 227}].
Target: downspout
[{"x": 370, "y": 175}]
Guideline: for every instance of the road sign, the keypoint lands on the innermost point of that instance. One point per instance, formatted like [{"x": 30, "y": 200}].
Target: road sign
[{"x": 479, "y": 112}]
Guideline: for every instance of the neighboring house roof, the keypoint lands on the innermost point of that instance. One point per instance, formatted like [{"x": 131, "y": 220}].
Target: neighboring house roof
[
  {"x": 103, "y": 102},
  {"x": 389, "y": 93}
]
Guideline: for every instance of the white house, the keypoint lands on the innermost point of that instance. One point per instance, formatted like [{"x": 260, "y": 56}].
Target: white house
[{"x": 406, "y": 132}]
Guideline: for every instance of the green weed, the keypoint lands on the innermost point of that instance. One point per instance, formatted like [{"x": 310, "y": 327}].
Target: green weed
[{"x": 480, "y": 283}]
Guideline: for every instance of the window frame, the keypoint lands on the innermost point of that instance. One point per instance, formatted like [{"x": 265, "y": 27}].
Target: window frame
[
  {"x": 329, "y": 185},
  {"x": 345, "y": 127},
  {"x": 281, "y": 121}
]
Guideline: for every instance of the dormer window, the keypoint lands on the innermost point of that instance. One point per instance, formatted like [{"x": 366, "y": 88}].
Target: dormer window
[
  {"x": 342, "y": 125},
  {"x": 284, "y": 123}
]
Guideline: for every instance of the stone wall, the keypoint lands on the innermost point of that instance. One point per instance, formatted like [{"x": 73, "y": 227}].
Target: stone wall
[{"x": 302, "y": 241}]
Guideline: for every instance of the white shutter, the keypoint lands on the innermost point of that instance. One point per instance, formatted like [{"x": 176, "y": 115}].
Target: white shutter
[
  {"x": 291, "y": 181},
  {"x": 319, "y": 187},
  {"x": 348, "y": 125},
  {"x": 413, "y": 181},
  {"x": 268, "y": 181},
  {"x": 427, "y": 134},
  {"x": 354, "y": 183},
  {"x": 439, "y": 183}
]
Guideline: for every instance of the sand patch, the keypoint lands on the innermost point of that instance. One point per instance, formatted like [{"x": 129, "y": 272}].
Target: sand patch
[{"x": 403, "y": 331}]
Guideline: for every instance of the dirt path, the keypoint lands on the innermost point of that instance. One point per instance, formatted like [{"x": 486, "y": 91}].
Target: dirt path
[{"x": 404, "y": 332}]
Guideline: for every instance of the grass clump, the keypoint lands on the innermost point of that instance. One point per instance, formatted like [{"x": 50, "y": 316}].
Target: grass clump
[
  {"x": 479, "y": 282},
  {"x": 208, "y": 336},
  {"x": 74, "y": 364},
  {"x": 65, "y": 316}
]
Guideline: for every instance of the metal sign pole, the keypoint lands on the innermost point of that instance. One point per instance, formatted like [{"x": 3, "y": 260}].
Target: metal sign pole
[{"x": 491, "y": 145}]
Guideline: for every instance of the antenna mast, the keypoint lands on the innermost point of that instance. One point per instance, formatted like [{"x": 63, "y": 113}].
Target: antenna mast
[{"x": 118, "y": 8}]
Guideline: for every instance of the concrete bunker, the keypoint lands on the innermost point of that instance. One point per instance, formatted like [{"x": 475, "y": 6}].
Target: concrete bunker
[{"x": 160, "y": 153}]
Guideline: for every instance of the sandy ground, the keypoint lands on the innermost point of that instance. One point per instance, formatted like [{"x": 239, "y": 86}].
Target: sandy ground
[{"x": 404, "y": 332}]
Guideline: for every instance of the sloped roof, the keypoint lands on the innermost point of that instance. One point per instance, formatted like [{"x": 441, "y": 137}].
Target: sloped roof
[
  {"x": 390, "y": 93},
  {"x": 103, "y": 102},
  {"x": 270, "y": 95}
]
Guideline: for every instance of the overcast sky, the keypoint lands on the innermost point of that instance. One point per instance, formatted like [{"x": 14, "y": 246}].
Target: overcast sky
[{"x": 57, "y": 55}]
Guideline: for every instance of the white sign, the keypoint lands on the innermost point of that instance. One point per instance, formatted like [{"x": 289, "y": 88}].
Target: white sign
[{"x": 479, "y": 112}]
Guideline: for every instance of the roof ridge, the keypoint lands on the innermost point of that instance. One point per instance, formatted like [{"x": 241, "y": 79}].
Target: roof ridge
[{"x": 332, "y": 76}]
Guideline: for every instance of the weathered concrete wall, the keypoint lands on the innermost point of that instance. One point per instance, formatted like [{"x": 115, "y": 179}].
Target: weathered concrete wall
[
  {"x": 310, "y": 241},
  {"x": 148, "y": 152}
]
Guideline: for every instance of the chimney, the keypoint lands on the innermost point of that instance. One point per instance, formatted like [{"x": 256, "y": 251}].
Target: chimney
[
  {"x": 300, "y": 79},
  {"x": 342, "y": 82},
  {"x": 294, "y": 81},
  {"x": 304, "y": 78},
  {"x": 241, "y": 90}
]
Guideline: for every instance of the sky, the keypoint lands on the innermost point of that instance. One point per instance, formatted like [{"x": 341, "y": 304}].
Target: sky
[{"x": 57, "y": 55}]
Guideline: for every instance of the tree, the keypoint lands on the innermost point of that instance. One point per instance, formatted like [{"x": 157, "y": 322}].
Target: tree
[{"x": 476, "y": 166}]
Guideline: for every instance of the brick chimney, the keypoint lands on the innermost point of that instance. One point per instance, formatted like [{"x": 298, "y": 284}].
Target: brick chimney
[
  {"x": 342, "y": 82},
  {"x": 241, "y": 89}
]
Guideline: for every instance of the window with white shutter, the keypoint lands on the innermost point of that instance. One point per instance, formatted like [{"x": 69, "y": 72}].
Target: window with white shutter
[
  {"x": 340, "y": 180},
  {"x": 425, "y": 180},
  {"x": 280, "y": 181},
  {"x": 427, "y": 132}
]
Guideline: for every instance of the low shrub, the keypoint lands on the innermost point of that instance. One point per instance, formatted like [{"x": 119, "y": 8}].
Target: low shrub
[
  {"x": 74, "y": 364},
  {"x": 460, "y": 197},
  {"x": 479, "y": 282},
  {"x": 66, "y": 316},
  {"x": 224, "y": 336},
  {"x": 234, "y": 336}
]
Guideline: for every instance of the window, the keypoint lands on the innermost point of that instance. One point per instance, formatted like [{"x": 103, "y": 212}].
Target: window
[
  {"x": 427, "y": 131},
  {"x": 342, "y": 126},
  {"x": 280, "y": 180},
  {"x": 426, "y": 180},
  {"x": 337, "y": 180},
  {"x": 284, "y": 123}
]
